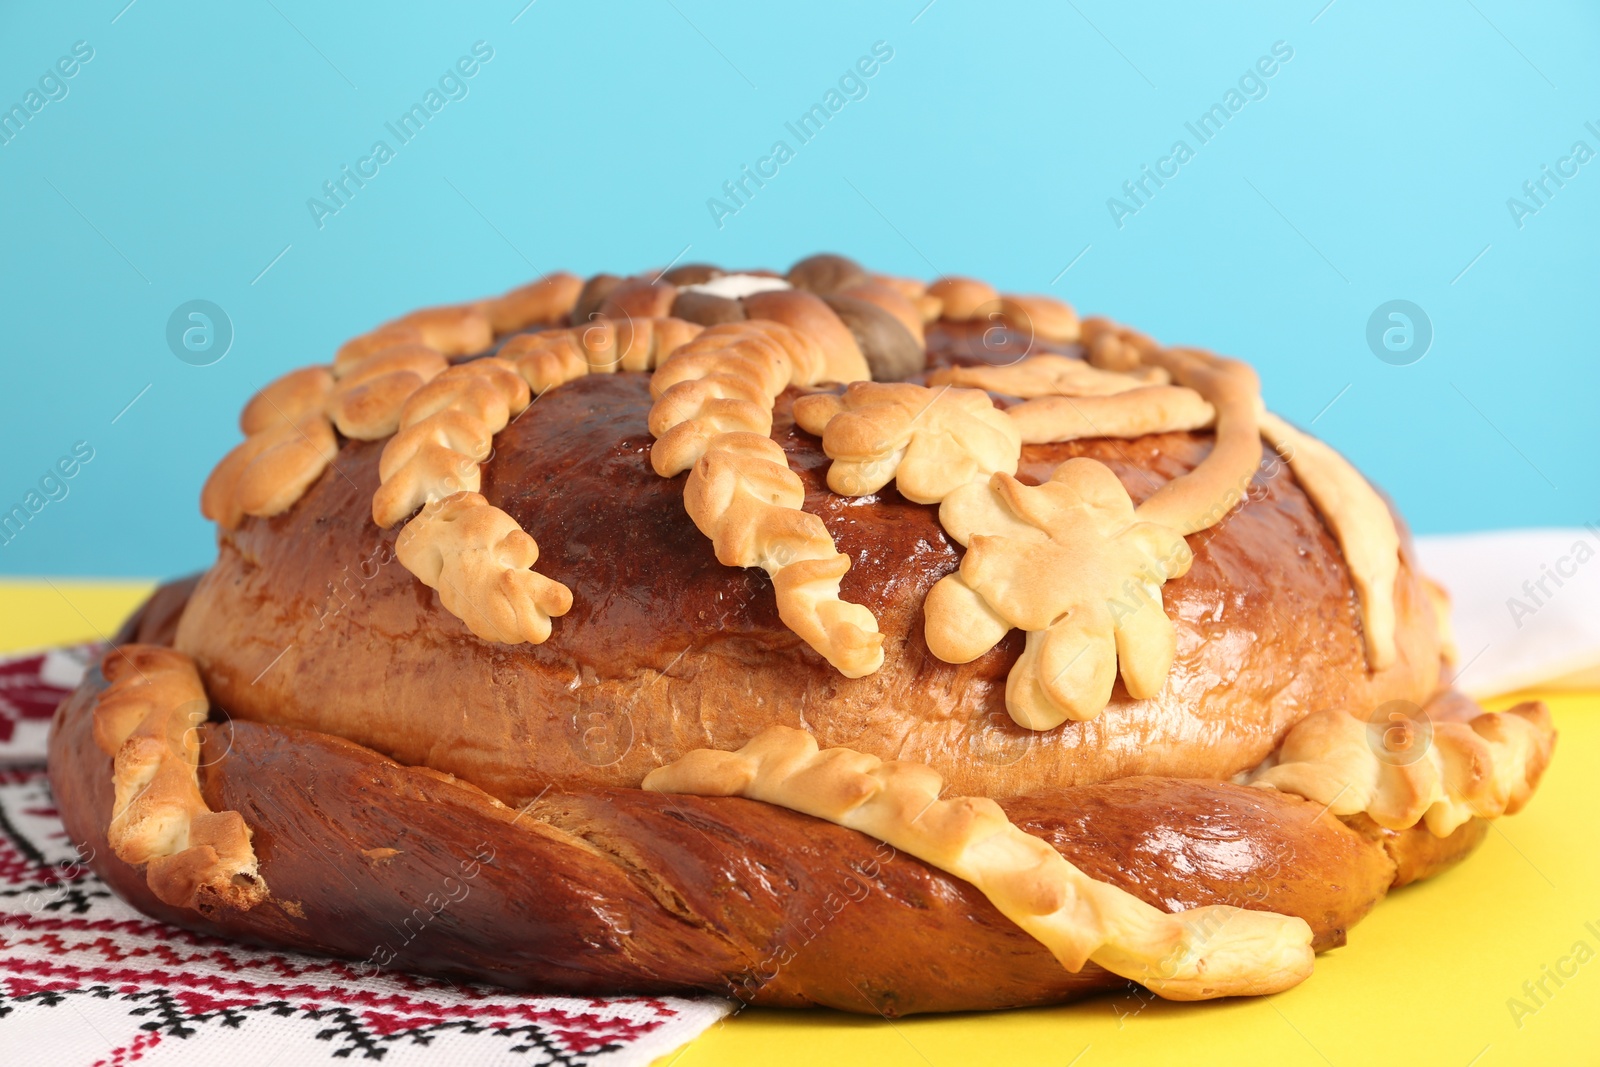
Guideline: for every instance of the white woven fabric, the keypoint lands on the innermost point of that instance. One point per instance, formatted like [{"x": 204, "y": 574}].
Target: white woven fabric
[{"x": 1526, "y": 606}]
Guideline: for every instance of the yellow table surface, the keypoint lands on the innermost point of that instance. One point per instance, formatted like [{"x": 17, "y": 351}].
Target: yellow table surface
[{"x": 1432, "y": 976}]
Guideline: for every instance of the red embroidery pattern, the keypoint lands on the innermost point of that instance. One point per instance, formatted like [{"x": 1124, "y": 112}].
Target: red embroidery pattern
[
  {"x": 25, "y": 695},
  {"x": 72, "y": 953}
]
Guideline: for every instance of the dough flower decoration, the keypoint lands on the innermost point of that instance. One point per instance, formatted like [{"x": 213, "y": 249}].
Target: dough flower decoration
[
  {"x": 1072, "y": 563},
  {"x": 554, "y": 357},
  {"x": 929, "y": 441},
  {"x": 711, "y": 417}
]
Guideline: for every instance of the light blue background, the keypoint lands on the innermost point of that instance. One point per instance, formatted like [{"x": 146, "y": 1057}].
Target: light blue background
[{"x": 1377, "y": 167}]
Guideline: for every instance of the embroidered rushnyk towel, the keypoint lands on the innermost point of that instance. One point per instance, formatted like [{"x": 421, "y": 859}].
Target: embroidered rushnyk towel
[{"x": 85, "y": 979}]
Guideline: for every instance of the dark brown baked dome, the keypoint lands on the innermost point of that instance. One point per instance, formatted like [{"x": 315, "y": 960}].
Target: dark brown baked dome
[{"x": 666, "y": 650}]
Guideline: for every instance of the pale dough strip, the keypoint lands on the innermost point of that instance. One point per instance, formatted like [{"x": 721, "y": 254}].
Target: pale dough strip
[
  {"x": 1048, "y": 374},
  {"x": 1212, "y": 951},
  {"x": 1359, "y": 520},
  {"x": 1133, "y": 413},
  {"x": 1195, "y": 501}
]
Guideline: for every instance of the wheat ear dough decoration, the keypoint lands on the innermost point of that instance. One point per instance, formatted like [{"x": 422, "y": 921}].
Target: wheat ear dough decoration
[
  {"x": 542, "y": 302},
  {"x": 712, "y": 416},
  {"x": 605, "y": 346},
  {"x": 1212, "y": 951},
  {"x": 473, "y": 553},
  {"x": 148, "y": 721},
  {"x": 396, "y": 380},
  {"x": 289, "y": 441},
  {"x": 369, "y": 394},
  {"x": 480, "y": 562},
  {"x": 289, "y": 425}
]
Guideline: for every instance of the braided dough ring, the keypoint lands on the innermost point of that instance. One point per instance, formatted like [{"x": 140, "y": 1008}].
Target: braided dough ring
[{"x": 587, "y": 891}]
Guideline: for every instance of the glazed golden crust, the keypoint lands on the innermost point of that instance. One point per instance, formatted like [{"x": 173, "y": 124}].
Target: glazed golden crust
[{"x": 674, "y": 651}]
